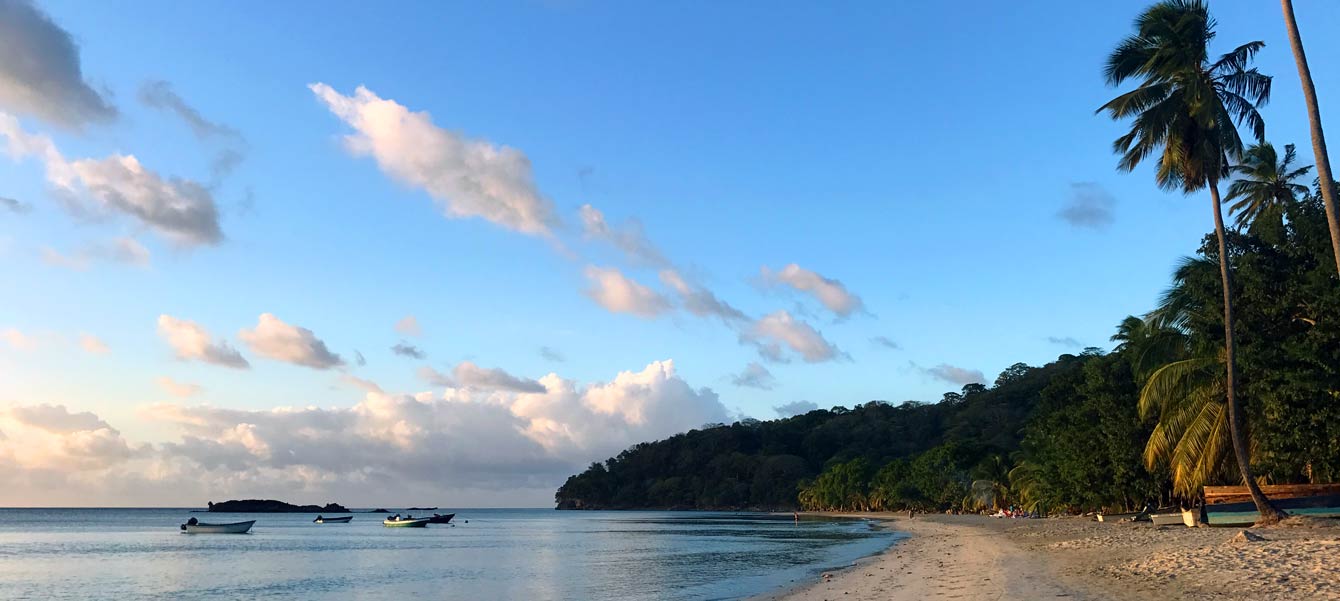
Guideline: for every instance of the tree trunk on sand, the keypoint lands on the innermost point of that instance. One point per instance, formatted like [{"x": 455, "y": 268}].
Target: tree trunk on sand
[
  {"x": 1269, "y": 513},
  {"x": 1318, "y": 137}
]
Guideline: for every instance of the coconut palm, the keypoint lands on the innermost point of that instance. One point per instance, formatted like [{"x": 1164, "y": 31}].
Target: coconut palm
[
  {"x": 1328, "y": 189},
  {"x": 1265, "y": 184},
  {"x": 1186, "y": 110}
]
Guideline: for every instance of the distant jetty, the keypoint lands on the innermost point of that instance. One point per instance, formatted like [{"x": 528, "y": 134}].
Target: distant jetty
[{"x": 273, "y": 506}]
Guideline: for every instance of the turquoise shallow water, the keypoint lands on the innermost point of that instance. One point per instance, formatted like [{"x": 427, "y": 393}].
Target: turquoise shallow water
[{"x": 499, "y": 554}]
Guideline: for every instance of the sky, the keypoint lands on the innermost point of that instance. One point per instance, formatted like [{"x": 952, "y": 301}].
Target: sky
[{"x": 451, "y": 253}]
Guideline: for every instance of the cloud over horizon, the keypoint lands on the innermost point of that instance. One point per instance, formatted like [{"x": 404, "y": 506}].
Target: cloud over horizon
[
  {"x": 280, "y": 341},
  {"x": 831, "y": 293},
  {"x": 777, "y": 332},
  {"x": 190, "y": 341}
]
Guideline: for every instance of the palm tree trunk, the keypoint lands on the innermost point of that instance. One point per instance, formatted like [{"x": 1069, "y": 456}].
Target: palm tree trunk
[
  {"x": 1318, "y": 137},
  {"x": 1269, "y": 513}
]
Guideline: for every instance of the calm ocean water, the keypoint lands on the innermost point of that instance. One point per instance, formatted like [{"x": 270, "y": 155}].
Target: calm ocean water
[{"x": 499, "y": 554}]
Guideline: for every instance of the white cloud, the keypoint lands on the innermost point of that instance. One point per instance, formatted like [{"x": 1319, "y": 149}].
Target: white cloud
[
  {"x": 40, "y": 71},
  {"x": 795, "y": 408},
  {"x": 618, "y": 294},
  {"x": 469, "y": 375},
  {"x": 434, "y": 377},
  {"x": 409, "y": 326},
  {"x": 831, "y": 293},
  {"x": 698, "y": 300},
  {"x": 754, "y": 376},
  {"x": 92, "y": 344},
  {"x": 955, "y": 375},
  {"x": 776, "y": 330},
  {"x": 292, "y": 344},
  {"x": 177, "y": 389},
  {"x": 628, "y": 238},
  {"x": 193, "y": 342},
  {"x": 180, "y": 209},
  {"x": 470, "y": 178},
  {"x": 491, "y": 446}
]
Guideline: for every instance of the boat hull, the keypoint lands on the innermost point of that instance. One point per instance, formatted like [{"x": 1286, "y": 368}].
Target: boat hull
[
  {"x": 233, "y": 528},
  {"x": 405, "y": 523},
  {"x": 1167, "y": 519},
  {"x": 1245, "y": 514},
  {"x": 441, "y": 519},
  {"x": 343, "y": 520}
]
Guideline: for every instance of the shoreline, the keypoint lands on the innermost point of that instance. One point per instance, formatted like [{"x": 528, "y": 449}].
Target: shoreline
[{"x": 971, "y": 557}]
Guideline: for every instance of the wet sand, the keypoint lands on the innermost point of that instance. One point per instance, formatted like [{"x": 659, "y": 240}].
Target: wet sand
[{"x": 970, "y": 558}]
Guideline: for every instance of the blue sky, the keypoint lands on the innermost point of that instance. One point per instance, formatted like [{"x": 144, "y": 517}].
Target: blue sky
[{"x": 918, "y": 157}]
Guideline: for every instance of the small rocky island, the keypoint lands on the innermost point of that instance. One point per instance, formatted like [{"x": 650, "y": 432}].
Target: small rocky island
[{"x": 273, "y": 506}]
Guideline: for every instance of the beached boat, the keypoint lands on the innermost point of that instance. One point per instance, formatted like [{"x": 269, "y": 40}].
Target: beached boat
[
  {"x": 326, "y": 520},
  {"x": 1167, "y": 517},
  {"x": 441, "y": 519},
  {"x": 1245, "y": 514},
  {"x": 1122, "y": 517},
  {"x": 203, "y": 528},
  {"x": 405, "y": 523}
]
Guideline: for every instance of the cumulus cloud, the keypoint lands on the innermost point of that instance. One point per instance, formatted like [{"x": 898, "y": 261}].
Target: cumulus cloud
[
  {"x": 177, "y": 389},
  {"x": 795, "y": 408},
  {"x": 612, "y": 290},
  {"x": 40, "y": 70},
  {"x": 180, "y": 209},
  {"x": 469, "y": 375},
  {"x": 93, "y": 344},
  {"x": 754, "y": 376},
  {"x": 1088, "y": 206},
  {"x": 774, "y": 333},
  {"x": 628, "y": 237},
  {"x": 292, "y": 344},
  {"x": 405, "y": 349},
  {"x": 698, "y": 300},
  {"x": 829, "y": 292},
  {"x": 1064, "y": 341},
  {"x": 955, "y": 375},
  {"x": 56, "y": 418},
  {"x": 885, "y": 342},
  {"x": 434, "y": 377},
  {"x": 126, "y": 251},
  {"x": 551, "y": 354},
  {"x": 389, "y": 446},
  {"x": 193, "y": 342},
  {"x": 409, "y": 326},
  {"x": 470, "y": 178},
  {"x": 14, "y": 206}
]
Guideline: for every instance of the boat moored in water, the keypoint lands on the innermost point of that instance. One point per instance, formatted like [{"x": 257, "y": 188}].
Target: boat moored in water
[
  {"x": 340, "y": 520},
  {"x": 399, "y": 522},
  {"x": 193, "y": 526},
  {"x": 441, "y": 519}
]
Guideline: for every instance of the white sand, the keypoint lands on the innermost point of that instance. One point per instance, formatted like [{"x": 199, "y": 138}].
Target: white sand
[{"x": 973, "y": 558}]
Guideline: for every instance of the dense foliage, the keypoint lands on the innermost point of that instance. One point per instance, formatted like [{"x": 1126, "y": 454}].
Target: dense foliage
[{"x": 1087, "y": 431}]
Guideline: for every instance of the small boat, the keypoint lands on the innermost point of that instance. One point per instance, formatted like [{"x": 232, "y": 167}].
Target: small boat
[
  {"x": 1122, "y": 517},
  {"x": 399, "y": 522},
  {"x": 1168, "y": 517},
  {"x": 326, "y": 520},
  {"x": 193, "y": 526},
  {"x": 1245, "y": 514},
  {"x": 441, "y": 519},
  {"x": 421, "y": 508}
]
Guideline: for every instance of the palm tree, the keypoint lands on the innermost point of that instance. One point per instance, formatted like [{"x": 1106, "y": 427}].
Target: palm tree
[
  {"x": 1328, "y": 190},
  {"x": 1185, "y": 110},
  {"x": 1265, "y": 185}
]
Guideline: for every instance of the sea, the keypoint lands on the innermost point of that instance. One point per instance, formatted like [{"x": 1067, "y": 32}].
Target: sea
[{"x": 484, "y": 554}]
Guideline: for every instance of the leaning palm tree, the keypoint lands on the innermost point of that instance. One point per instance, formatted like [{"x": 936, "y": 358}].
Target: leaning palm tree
[
  {"x": 1265, "y": 184},
  {"x": 1186, "y": 110},
  {"x": 1328, "y": 189}
]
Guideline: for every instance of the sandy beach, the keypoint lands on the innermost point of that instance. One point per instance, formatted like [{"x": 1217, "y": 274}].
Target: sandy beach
[{"x": 973, "y": 558}]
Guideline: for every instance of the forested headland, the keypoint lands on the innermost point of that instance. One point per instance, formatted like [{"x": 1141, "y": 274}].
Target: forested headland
[{"x": 1145, "y": 422}]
